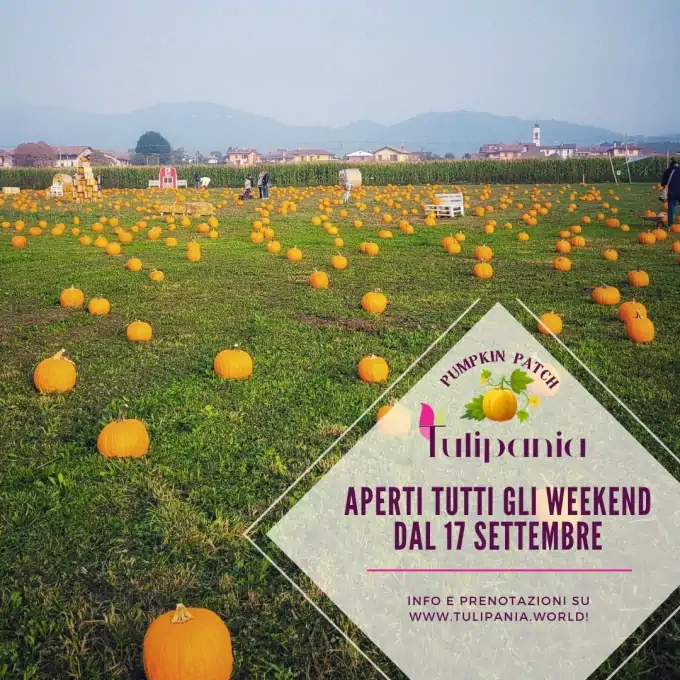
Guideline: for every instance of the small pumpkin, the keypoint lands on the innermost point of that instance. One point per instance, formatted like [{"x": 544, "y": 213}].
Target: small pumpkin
[
  {"x": 523, "y": 236},
  {"x": 563, "y": 246},
  {"x": 193, "y": 251},
  {"x": 675, "y": 247},
  {"x": 233, "y": 364},
  {"x": 483, "y": 253},
  {"x": 112, "y": 248},
  {"x": 482, "y": 270},
  {"x": 660, "y": 234},
  {"x": 339, "y": 262},
  {"x": 453, "y": 247},
  {"x": 646, "y": 238},
  {"x": 640, "y": 329},
  {"x": 139, "y": 331},
  {"x": 99, "y": 306},
  {"x": 606, "y": 295},
  {"x": 562, "y": 264},
  {"x": 274, "y": 247},
  {"x": 629, "y": 310},
  {"x": 610, "y": 254},
  {"x": 188, "y": 643},
  {"x": 372, "y": 249},
  {"x": 578, "y": 241},
  {"x": 294, "y": 255},
  {"x": 56, "y": 374},
  {"x": 71, "y": 297},
  {"x": 171, "y": 242},
  {"x": 18, "y": 241},
  {"x": 318, "y": 280},
  {"x": 256, "y": 237},
  {"x": 134, "y": 264},
  {"x": 85, "y": 240},
  {"x": 123, "y": 438},
  {"x": 157, "y": 275},
  {"x": 550, "y": 323},
  {"x": 374, "y": 302},
  {"x": 373, "y": 369},
  {"x": 638, "y": 278}
]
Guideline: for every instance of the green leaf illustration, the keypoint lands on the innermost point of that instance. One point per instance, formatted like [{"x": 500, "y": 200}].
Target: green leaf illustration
[
  {"x": 519, "y": 381},
  {"x": 486, "y": 373},
  {"x": 522, "y": 416},
  {"x": 474, "y": 410}
]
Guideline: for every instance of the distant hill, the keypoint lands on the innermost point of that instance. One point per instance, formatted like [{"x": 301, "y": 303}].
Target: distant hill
[{"x": 202, "y": 126}]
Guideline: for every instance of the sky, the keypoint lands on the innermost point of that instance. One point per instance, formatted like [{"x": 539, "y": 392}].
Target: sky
[{"x": 608, "y": 63}]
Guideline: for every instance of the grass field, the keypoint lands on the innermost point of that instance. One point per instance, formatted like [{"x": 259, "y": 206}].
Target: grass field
[{"x": 91, "y": 550}]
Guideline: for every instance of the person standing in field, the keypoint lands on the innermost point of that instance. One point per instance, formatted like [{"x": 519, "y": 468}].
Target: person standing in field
[
  {"x": 265, "y": 184},
  {"x": 348, "y": 190},
  {"x": 259, "y": 182},
  {"x": 670, "y": 188},
  {"x": 197, "y": 181},
  {"x": 99, "y": 182}
]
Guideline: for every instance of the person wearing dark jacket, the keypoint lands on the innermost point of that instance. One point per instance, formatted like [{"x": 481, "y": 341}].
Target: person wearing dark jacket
[
  {"x": 197, "y": 181},
  {"x": 265, "y": 184},
  {"x": 671, "y": 179}
]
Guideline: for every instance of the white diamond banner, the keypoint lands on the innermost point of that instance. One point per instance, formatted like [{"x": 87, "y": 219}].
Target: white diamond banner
[{"x": 498, "y": 522}]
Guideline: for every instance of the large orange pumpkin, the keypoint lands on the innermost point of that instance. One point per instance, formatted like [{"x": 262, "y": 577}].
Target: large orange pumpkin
[
  {"x": 56, "y": 374},
  {"x": 123, "y": 438},
  {"x": 233, "y": 364},
  {"x": 189, "y": 643},
  {"x": 373, "y": 369}
]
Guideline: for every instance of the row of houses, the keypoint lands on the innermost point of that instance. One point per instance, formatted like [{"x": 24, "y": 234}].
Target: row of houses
[
  {"x": 535, "y": 149},
  {"x": 69, "y": 156},
  {"x": 385, "y": 154}
]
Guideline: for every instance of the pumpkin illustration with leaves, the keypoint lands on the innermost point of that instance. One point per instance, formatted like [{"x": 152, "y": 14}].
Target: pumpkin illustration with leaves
[{"x": 503, "y": 400}]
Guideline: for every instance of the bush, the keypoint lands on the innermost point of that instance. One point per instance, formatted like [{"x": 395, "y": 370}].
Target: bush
[{"x": 314, "y": 174}]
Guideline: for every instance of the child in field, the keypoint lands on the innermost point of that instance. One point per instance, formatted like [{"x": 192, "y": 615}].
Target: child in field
[
  {"x": 348, "y": 190},
  {"x": 247, "y": 189}
]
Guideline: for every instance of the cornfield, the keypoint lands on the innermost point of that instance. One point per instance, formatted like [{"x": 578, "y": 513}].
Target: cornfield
[{"x": 380, "y": 174}]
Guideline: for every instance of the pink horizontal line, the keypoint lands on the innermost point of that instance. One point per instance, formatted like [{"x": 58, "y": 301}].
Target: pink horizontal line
[{"x": 499, "y": 571}]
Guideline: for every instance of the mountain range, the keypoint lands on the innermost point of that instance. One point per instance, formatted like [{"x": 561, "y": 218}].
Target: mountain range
[{"x": 205, "y": 127}]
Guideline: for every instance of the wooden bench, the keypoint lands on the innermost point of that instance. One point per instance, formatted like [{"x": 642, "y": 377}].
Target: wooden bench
[
  {"x": 181, "y": 184},
  {"x": 448, "y": 205},
  {"x": 154, "y": 183}
]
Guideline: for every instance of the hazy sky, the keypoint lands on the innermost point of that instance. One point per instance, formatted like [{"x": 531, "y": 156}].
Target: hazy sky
[{"x": 603, "y": 62}]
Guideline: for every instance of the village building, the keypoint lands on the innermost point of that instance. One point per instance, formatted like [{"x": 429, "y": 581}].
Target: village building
[
  {"x": 242, "y": 157},
  {"x": 388, "y": 154},
  {"x": 361, "y": 157},
  {"x": 6, "y": 159},
  {"x": 70, "y": 156}
]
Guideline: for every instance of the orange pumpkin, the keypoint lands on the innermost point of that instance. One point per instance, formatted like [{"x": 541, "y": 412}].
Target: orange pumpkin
[
  {"x": 233, "y": 364},
  {"x": 550, "y": 323},
  {"x": 318, "y": 280},
  {"x": 99, "y": 306},
  {"x": 562, "y": 264},
  {"x": 374, "y": 302},
  {"x": 482, "y": 270},
  {"x": 629, "y": 310},
  {"x": 188, "y": 643},
  {"x": 606, "y": 295},
  {"x": 56, "y": 374},
  {"x": 640, "y": 329},
  {"x": 139, "y": 331},
  {"x": 123, "y": 438},
  {"x": 294, "y": 255},
  {"x": 71, "y": 297},
  {"x": 373, "y": 369},
  {"x": 638, "y": 278}
]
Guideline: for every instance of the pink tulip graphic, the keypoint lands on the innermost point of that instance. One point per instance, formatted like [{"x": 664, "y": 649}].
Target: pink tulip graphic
[{"x": 426, "y": 420}]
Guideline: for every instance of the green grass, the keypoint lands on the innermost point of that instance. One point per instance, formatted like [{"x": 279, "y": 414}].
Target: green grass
[{"x": 91, "y": 550}]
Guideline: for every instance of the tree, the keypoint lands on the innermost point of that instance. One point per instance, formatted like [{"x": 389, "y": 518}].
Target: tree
[
  {"x": 153, "y": 144},
  {"x": 450, "y": 156},
  {"x": 179, "y": 156},
  {"x": 34, "y": 155}
]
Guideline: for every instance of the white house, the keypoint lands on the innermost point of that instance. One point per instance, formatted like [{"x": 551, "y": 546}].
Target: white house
[
  {"x": 6, "y": 159},
  {"x": 68, "y": 156},
  {"x": 361, "y": 157}
]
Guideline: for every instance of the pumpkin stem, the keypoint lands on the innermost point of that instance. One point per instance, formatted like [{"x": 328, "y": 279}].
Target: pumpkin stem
[
  {"x": 181, "y": 615},
  {"x": 121, "y": 414},
  {"x": 59, "y": 354}
]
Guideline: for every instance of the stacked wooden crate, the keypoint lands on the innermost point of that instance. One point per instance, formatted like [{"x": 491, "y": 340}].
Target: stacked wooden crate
[{"x": 84, "y": 183}]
